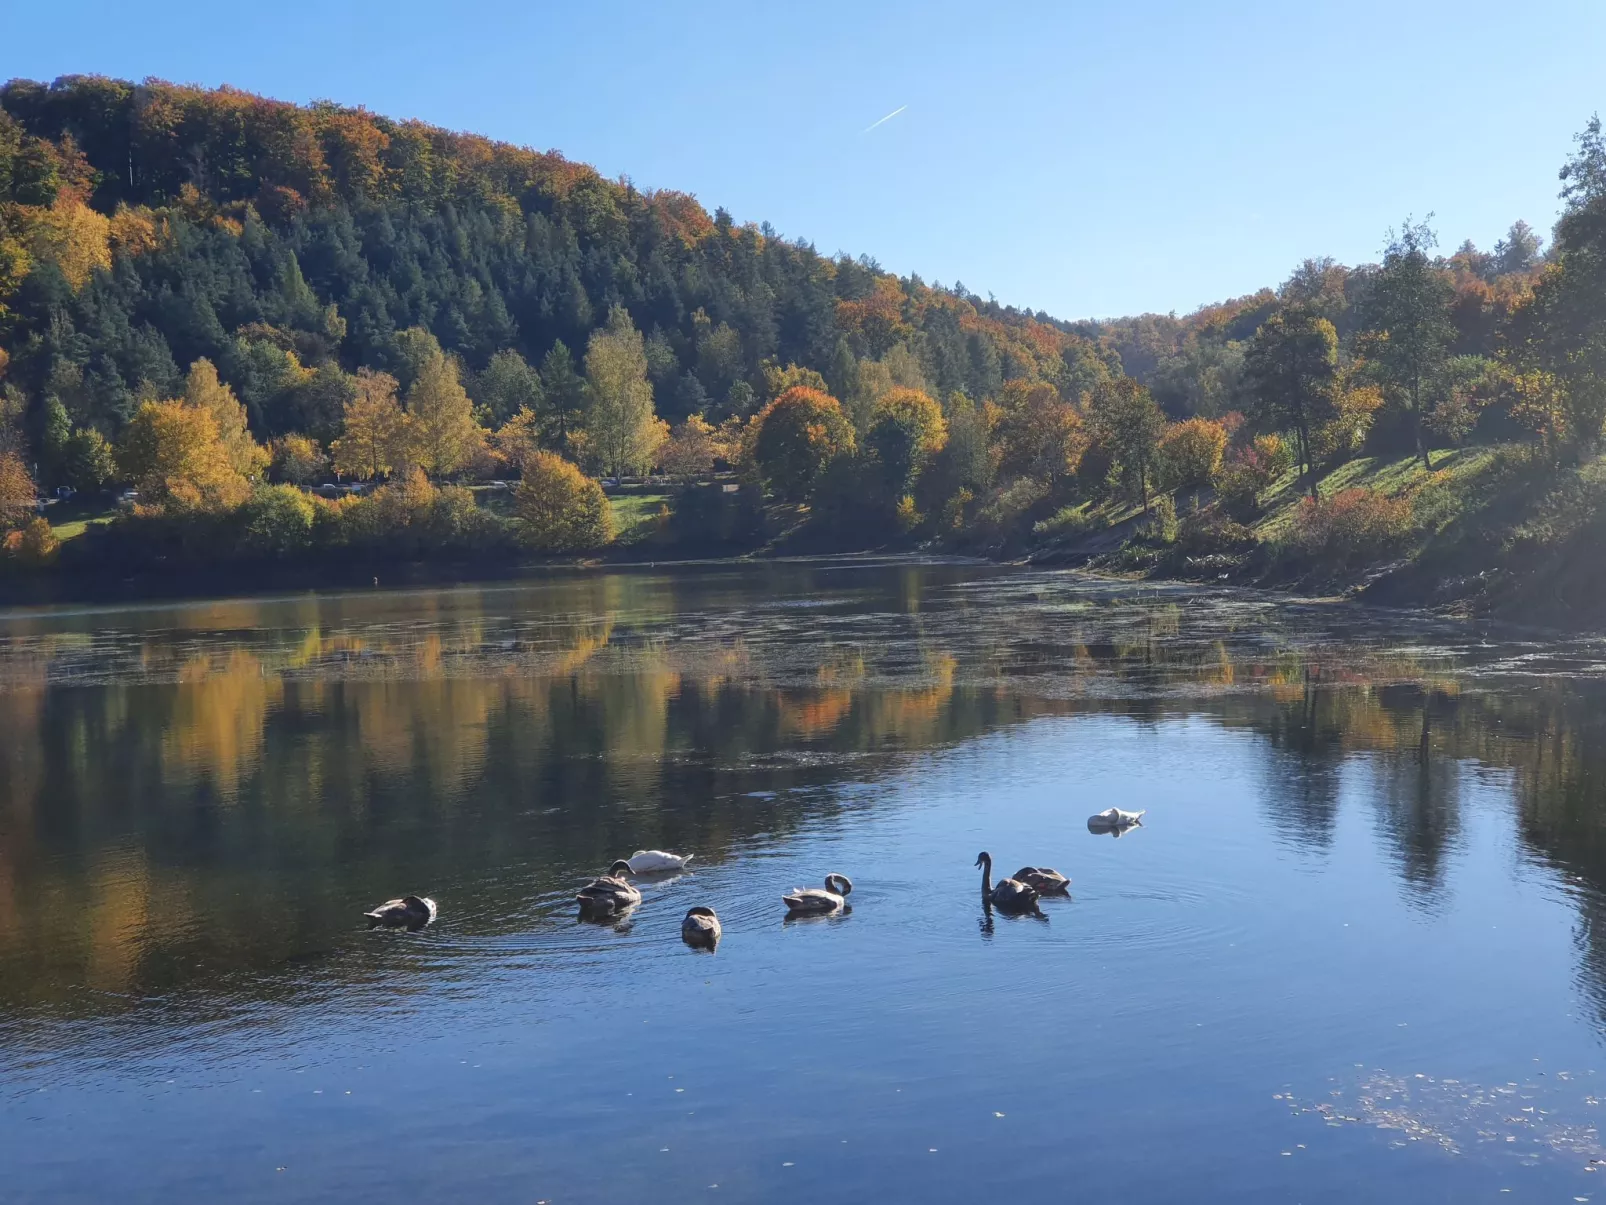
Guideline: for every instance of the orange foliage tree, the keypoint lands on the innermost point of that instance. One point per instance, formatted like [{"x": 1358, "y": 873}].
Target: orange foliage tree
[{"x": 796, "y": 436}]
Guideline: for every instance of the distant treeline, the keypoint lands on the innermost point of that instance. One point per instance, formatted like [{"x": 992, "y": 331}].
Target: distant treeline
[{"x": 210, "y": 296}]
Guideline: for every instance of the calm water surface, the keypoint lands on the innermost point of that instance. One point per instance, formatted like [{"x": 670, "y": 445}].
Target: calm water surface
[{"x": 1357, "y": 951}]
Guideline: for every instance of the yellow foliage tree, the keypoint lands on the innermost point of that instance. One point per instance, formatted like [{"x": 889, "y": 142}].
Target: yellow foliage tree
[
  {"x": 623, "y": 431},
  {"x": 17, "y": 491},
  {"x": 372, "y": 427},
  {"x": 173, "y": 454},
  {"x": 204, "y": 390},
  {"x": 73, "y": 237},
  {"x": 563, "y": 509},
  {"x": 441, "y": 435},
  {"x": 519, "y": 439},
  {"x": 690, "y": 450},
  {"x": 1191, "y": 452}
]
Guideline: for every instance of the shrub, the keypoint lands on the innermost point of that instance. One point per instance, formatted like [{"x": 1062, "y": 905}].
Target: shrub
[
  {"x": 1275, "y": 454},
  {"x": 1066, "y": 521},
  {"x": 1209, "y": 532},
  {"x": 563, "y": 510},
  {"x": 1356, "y": 524},
  {"x": 276, "y": 521},
  {"x": 1162, "y": 522},
  {"x": 1238, "y": 484},
  {"x": 34, "y": 544}
]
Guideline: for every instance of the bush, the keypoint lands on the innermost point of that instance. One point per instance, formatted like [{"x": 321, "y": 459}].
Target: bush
[
  {"x": 276, "y": 522},
  {"x": 1357, "y": 524},
  {"x": 563, "y": 510},
  {"x": 1161, "y": 526},
  {"x": 35, "y": 544},
  {"x": 1066, "y": 521},
  {"x": 1240, "y": 480},
  {"x": 1211, "y": 533}
]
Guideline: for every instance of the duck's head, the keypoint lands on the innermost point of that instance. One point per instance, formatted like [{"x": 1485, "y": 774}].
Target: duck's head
[
  {"x": 701, "y": 910},
  {"x": 619, "y": 868}
]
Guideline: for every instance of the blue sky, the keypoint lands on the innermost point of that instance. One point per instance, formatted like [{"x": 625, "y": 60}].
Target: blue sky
[{"x": 1085, "y": 158}]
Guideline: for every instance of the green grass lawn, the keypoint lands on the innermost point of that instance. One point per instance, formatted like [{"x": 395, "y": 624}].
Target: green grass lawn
[
  {"x": 76, "y": 521},
  {"x": 635, "y": 515},
  {"x": 1453, "y": 471}
]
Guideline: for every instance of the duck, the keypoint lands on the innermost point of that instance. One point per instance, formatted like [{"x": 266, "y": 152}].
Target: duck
[
  {"x": 653, "y": 861},
  {"x": 1043, "y": 880},
  {"x": 701, "y": 928},
  {"x": 1008, "y": 895},
  {"x": 611, "y": 894},
  {"x": 1115, "y": 818},
  {"x": 410, "y": 912},
  {"x": 812, "y": 901}
]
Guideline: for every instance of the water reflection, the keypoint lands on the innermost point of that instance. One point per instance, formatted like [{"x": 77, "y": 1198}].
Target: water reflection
[{"x": 196, "y": 802}]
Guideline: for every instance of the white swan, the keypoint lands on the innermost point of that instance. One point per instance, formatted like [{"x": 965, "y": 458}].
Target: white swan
[
  {"x": 651, "y": 861},
  {"x": 1115, "y": 818},
  {"x": 812, "y": 901}
]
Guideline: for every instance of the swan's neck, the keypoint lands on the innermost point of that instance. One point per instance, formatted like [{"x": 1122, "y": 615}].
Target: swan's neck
[{"x": 987, "y": 876}]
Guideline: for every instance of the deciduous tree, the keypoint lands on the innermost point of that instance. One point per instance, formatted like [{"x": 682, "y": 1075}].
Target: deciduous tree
[
  {"x": 1292, "y": 370},
  {"x": 372, "y": 428},
  {"x": 622, "y": 429},
  {"x": 795, "y": 437}
]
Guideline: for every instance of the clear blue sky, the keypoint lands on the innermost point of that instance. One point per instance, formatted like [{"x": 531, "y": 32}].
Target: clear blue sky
[{"x": 1090, "y": 157}]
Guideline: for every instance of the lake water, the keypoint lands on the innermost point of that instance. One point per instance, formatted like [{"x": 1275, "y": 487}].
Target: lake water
[{"x": 1357, "y": 951}]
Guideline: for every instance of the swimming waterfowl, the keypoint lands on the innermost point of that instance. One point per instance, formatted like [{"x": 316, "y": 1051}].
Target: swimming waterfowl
[
  {"x": 812, "y": 901},
  {"x": 650, "y": 861},
  {"x": 1009, "y": 895},
  {"x": 410, "y": 912},
  {"x": 1115, "y": 818},
  {"x": 610, "y": 894},
  {"x": 1043, "y": 880},
  {"x": 701, "y": 928}
]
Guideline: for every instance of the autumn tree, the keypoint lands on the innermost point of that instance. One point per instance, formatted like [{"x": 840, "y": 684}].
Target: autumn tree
[
  {"x": 620, "y": 424},
  {"x": 691, "y": 449},
  {"x": 175, "y": 457},
  {"x": 562, "y": 509},
  {"x": 1190, "y": 453},
  {"x": 519, "y": 439},
  {"x": 372, "y": 428},
  {"x": 298, "y": 460},
  {"x": 907, "y": 429},
  {"x": 1127, "y": 423},
  {"x": 204, "y": 390},
  {"x": 1559, "y": 334},
  {"x": 18, "y": 494},
  {"x": 1292, "y": 371},
  {"x": 1407, "y": 326},
  {"x": 796, "y": 436},
  {"x": 1039, "y": 434},
  {"x": 440, "y": 434}
]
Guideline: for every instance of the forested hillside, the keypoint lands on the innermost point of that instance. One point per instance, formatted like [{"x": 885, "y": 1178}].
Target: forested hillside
[{"x": 224, "y": 301}]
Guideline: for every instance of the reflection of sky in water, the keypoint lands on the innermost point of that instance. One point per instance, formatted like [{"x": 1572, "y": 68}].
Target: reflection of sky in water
[{"x": 1372, "y": 853}]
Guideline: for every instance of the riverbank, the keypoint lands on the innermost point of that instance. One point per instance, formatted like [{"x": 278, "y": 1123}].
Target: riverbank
[{"x": 1487, "y": 532}]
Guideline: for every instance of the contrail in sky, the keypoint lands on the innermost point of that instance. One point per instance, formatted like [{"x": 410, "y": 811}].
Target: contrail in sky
[{"x": 885, "y": 119}]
